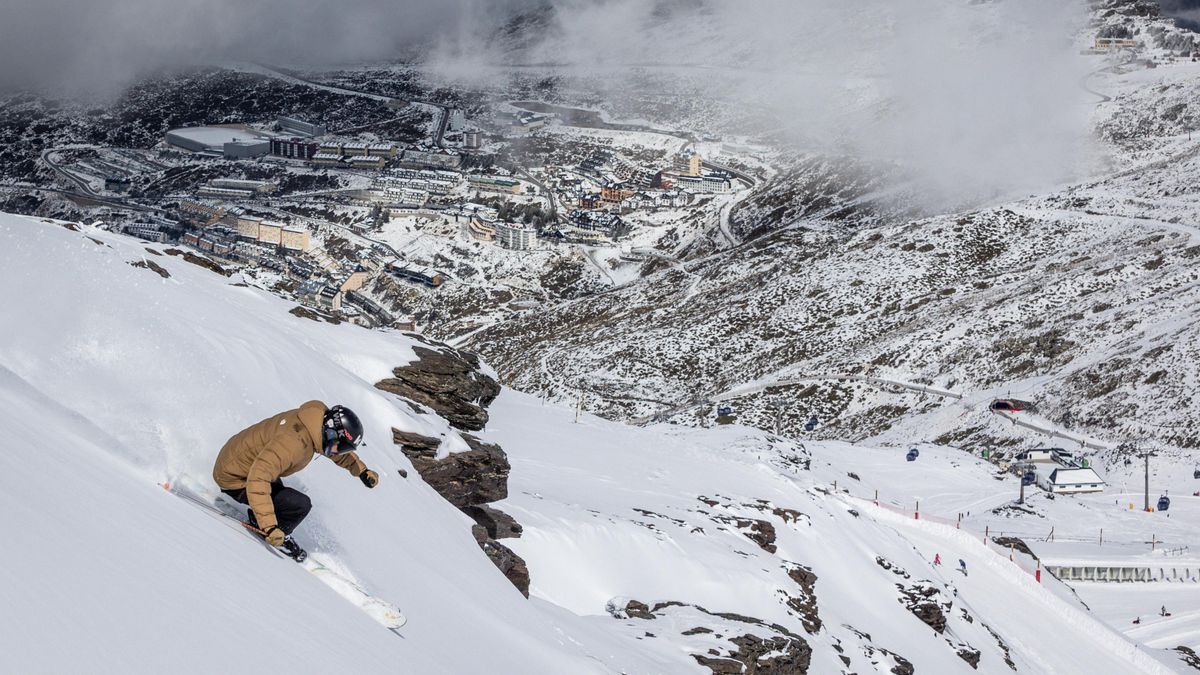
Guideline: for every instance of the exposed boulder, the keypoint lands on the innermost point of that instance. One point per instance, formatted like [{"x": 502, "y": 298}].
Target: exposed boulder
[
  {"x": 449, "y": 382},
  {"x": 468, "y": 480},
  {"x": 922, "y": 601},
  {"x": 415, "y": 445},
  {"x": 477, "y": 476},
  {"x": 497, "y": 524},
  {"x": 509, "y": 563}
]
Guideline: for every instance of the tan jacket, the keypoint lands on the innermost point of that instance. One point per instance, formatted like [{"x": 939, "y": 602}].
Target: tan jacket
[{"x": 275, "y": 447}]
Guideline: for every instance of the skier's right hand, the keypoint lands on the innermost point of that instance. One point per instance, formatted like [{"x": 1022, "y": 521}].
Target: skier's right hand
[{"x": 275, "y": 536}]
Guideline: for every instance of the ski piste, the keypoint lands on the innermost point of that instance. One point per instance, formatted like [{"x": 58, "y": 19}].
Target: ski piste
[{"x": 383, "y": 612}]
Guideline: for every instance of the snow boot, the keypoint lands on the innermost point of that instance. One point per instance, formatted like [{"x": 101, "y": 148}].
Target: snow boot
[{"x": 292, "y": 550}]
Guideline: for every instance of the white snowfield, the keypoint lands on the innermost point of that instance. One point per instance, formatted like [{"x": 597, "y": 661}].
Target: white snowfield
[{"x": 114, "y": 379}]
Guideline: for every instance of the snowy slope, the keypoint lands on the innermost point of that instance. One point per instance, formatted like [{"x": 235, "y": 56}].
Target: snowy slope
[
  {"x": 612, "y": 511},
  {"x": 114, "y": 378}
]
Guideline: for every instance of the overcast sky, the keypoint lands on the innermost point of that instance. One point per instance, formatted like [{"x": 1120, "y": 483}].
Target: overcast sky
[{"x": 977, "y": 97}]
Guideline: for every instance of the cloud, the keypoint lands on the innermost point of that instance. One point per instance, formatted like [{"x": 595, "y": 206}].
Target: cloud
[
  {"x": 975, "y": 99},
  {"x": 96, "y": 43}
]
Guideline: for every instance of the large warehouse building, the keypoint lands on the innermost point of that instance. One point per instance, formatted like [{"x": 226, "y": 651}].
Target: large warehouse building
[{"x": 233, "y": 142}]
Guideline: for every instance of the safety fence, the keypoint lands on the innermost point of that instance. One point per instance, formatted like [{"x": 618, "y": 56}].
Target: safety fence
[{"x": 983, "y": 537}]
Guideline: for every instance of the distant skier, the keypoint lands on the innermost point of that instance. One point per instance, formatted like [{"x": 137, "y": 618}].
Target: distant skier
[
  {"x": 1163, "y": 611},
  {"x": 962, "y": 566},
  {"x": 937, "y": 558},
  {"x": 251, "y": 464}
]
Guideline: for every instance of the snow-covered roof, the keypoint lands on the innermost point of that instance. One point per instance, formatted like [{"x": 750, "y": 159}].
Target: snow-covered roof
[{"x": 1074, "y": 476}]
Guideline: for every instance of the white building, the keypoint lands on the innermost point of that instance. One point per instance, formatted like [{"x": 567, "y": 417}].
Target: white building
[
  {"x": 1070, "y": 480},
  {"x": 517, "y": 236}
]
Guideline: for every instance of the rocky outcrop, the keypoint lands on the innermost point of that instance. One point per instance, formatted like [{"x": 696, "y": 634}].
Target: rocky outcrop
[
  {"x": 449, "y": 382},
  {"x": 922, "y": 601},
  {"x": 739, "y": 644},
  {"x": 805, "y": 604},
  {"x": 497, "y": 524},
  {"x": 415, "y": 445},
  {"x": 511, "y": 565},
  {"x": 464, "y": 479},
  {"x": 469, "y": 480}
]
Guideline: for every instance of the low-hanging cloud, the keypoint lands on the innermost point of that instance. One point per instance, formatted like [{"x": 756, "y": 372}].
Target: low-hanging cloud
[
  {"x": 975, "y": 99},
  {"x": 94, "y": 44}
]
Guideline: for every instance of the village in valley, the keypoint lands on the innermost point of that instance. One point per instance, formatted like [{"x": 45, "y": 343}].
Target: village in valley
[{"x": 437, "y": 216}]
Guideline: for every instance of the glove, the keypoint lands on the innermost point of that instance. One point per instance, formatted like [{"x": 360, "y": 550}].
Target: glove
[
  {"x": 275, "y": 536},
  {"x": 369, "y": 478}
]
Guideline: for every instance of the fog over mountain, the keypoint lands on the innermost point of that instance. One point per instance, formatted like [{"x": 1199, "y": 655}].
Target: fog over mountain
[{"x": 977, "y": 100}]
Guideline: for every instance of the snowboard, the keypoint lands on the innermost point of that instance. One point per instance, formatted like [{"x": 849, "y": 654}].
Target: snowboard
[{"x": 383, "y": 612}]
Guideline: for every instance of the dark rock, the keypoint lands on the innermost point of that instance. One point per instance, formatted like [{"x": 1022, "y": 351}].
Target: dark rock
[
  {"x": 448, "y": 381},
  {"x": 788, "y": 515},
  {"x": 480, "y": 534},
  {"x": 402, "y": 472},
  {"x": 969, "y": 655},
  {"x": 890, "y": 566},
  {"x": 760, "y": 532},
  {"x": 510, "y": 564},
  {"x": 638, "y": 610},
  {"x": 922, "y": 602},
  {"x": 499, "y": 525},
  {"x": 777, "y": 655},
  {"x": 719, "y": 666},
  {"x": 903, "y": 666},
  {"x": 477, "y": 476},
  {"x": 200, "y": 261},
  {"x": 659, "y": 606},
  {"x": 696, "y": 631},
  {"x": 153, "y": 267},
  {"x": 1188, "y": 655},
  {"x": 1016, "y": 544},
  {"x": 416, "y": 445},
  {"x": 805, "y": 604}
]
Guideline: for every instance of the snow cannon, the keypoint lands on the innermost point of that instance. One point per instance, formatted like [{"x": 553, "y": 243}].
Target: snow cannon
[
  {"x": 912, "y": 455},
  {"x": 811, "y": 424},
  {"x": 724, "y": 410},
  {"x": 1029, "y": 478},
  {"x": 1164, "y": 503}
]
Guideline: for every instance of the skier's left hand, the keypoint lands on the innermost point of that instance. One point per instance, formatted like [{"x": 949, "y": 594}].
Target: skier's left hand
[{"x": 369, "y": 478}]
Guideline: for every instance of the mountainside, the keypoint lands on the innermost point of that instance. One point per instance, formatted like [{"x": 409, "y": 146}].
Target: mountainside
[
  {"x": 1077, "y": 299},
  {"x": 132, "y": 366},
  {"x": 654, "y": 550}
]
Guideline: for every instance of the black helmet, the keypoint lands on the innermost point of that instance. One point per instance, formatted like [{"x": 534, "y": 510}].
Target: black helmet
[{"x": 342, "y": 430}]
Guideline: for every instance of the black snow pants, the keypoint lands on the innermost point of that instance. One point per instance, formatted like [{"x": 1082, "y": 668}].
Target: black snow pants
[{"x": 291, "y": 505}]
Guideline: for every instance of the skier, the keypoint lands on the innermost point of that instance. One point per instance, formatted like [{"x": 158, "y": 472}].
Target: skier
[
  {"x": 251, "y": 464},
  {"x": 937, "y": 558},
  {"x": 962, "y": 566},
  {"x": 1163, "y": 611}
]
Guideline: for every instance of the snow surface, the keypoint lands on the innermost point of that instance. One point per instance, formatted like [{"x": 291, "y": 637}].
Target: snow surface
[
  {"x": 124, "y": 379},
  {"x": 128, "y": 379}
]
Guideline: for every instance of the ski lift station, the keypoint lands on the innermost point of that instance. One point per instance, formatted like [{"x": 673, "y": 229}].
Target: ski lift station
[{"x": 1056, "y": 470}]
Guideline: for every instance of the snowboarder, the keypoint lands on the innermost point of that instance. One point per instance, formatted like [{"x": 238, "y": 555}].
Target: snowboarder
[
  {"x": 251, "y": 465},
  {"x": 962, "y": 566},
  {"x": 1163, "y": 611},
  {"x": 937, "y": 558}
]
